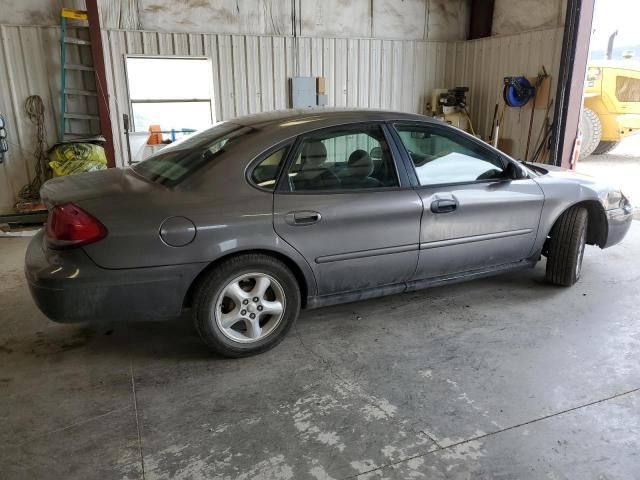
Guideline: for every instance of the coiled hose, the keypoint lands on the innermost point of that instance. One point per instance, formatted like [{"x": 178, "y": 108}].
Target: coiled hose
[{"x": 34, "y": 108}]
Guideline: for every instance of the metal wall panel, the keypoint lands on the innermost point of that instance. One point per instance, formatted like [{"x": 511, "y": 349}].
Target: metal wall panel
[
  {"x": 29, "y": 65},
  {"x": 482, "y": 64},
  {"x": 250, "y": 73}
]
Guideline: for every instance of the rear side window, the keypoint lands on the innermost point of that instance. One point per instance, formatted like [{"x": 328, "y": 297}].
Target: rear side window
[
  {"x": 265, "y": 174},
  {"x": 343, "y": 159}
]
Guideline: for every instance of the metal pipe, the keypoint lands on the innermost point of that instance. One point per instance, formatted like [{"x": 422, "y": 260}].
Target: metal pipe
[
  {"x": 612, "y": 38},
  {"x": 97, "y": 52}
]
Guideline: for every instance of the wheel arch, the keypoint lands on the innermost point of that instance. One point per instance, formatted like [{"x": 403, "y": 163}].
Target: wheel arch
[
  {"x": 597, "y": 227},
  {"x": 301, "y": 277}
]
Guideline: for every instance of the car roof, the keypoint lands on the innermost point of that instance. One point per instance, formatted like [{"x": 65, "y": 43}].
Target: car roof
[{"x": 321, "y": 117}]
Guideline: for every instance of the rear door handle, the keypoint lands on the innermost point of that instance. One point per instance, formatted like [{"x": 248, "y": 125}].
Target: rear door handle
[
  {"x": 443, "y": 206},
  {"x": 305, "y": 217}
]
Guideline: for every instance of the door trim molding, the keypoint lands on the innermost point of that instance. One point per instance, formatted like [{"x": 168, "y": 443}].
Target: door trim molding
[
  {"x": 474, "y": 238},
  {"x": 374, "y": 252},
  {"x": 374, "y": 292}
]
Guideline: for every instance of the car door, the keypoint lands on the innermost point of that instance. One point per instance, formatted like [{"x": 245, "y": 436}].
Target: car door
[
  {"x": 480, "y": 210},
  {"x": 344, "y": 204}
]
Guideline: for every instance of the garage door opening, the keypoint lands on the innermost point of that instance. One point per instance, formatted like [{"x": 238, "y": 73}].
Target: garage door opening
[{"x": 610, "y": 120}]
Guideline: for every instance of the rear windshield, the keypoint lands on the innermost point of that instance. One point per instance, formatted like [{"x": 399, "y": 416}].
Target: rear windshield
[{"x": 174, "y": 163}]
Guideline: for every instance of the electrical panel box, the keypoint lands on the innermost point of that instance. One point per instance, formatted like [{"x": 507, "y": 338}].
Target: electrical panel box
[
  {"x": 321, "y": 85},
  {"x": 303, "y": 92}
]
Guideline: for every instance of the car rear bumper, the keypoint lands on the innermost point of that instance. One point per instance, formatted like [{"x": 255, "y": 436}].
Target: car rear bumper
[
  {"x": 67, "y": 286},
  {"x": 618, "y": 221}
]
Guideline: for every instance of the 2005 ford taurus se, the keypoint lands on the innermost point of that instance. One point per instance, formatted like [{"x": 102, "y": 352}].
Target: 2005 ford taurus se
[{"x": 249, "y": 221}]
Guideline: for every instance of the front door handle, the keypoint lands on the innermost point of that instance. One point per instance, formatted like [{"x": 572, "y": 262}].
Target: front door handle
[
  {"x": 305, "y": 217},
  {"x": 443, "y": 206}
]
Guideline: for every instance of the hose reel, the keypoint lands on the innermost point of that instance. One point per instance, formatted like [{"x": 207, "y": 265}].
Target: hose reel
[{"x": 517, "y": 91}]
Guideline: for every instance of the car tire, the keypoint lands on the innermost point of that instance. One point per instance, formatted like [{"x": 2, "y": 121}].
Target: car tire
[
  {"x": 591, "y": 132},
  {"x": 605, "y": 147},
  {"x": 235, "y": 290},
  {"x": 566, "y": 247}
]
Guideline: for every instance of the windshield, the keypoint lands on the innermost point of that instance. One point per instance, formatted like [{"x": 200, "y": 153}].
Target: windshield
[{"x": 173, "y": 163}]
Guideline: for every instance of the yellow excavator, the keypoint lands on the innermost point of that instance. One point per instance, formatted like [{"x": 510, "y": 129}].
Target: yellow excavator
[{"x": 611, "y": 108}]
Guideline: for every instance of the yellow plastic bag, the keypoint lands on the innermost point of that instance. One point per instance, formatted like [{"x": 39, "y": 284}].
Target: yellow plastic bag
[{"x": 72, "y": 158}]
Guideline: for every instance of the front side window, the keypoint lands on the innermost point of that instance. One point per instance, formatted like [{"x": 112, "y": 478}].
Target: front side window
[
  {"x": 441, "y": 158},
  {"x": 343, "y": 159}
]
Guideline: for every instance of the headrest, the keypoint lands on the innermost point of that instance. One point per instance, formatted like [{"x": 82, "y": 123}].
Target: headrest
[
  {"x": 314, "y": 154},
  {"x": 360, "y": 164}
]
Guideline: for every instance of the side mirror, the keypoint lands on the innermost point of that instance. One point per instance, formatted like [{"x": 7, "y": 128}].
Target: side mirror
[{"x": 512, "y": 172}]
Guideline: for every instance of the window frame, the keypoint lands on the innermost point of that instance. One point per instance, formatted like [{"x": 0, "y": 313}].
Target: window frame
[
  {"x": 253, "y": 164},
  {"x": 283, "y": 187},
  {"x": 464, "y": 140},
  {"x": 131, "y": 102}
]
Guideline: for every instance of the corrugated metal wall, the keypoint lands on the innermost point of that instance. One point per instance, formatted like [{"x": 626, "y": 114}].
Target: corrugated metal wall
[
  {"x": 250, "y": 73},
  {"x": 482, "y": 64},
  {"x": 29, "y": 65}
]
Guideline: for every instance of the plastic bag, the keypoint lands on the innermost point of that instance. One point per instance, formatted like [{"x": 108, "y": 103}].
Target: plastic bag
[{"x": 72, "y": 158}]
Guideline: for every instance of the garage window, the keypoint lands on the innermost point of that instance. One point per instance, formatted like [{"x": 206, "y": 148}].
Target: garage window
[{"x": 175, "y": 93}]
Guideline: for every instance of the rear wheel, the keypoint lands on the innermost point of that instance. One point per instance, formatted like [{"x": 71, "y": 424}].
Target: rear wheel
[
  {"x": 246, "y": 305},
  {"x": 591, "y": 132},
  {"x": 566, "y": 247},
  {"x": 605, "y": 147}
]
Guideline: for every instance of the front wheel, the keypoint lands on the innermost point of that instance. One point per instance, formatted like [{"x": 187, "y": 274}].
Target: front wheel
[
  {"x": 591, "y": 132},
  {"x": 246, "y": 305},
  {"x": 605, "y": 147},
  {"x": 566, "y": 247}
]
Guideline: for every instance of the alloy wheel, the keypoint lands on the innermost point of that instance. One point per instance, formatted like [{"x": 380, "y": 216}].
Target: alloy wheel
[{"x": 250, "y": 307}]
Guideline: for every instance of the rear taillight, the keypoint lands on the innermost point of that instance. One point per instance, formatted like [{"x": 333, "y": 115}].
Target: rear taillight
[{"x": 70, "y": 226}]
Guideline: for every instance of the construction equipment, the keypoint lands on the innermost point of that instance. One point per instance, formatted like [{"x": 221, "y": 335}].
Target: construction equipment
[
  {"x": 611, "y": 109},
  {"x": 79, "y": 118}
]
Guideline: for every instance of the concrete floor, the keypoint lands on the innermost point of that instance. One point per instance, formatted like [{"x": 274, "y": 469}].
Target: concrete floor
[{"x": 500, "y": 378}]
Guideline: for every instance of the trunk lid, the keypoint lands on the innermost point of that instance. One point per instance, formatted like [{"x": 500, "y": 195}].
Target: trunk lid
[{"x": 107, "y": 184}]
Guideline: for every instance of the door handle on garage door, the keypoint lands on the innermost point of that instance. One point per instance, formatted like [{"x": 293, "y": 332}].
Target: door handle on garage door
[
  {"x": 306, "y": 217},
  {"x": 443, "y": 206}
]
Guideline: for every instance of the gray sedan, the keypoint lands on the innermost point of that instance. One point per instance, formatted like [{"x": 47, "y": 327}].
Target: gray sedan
[{"x": 249, "y": 221}]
